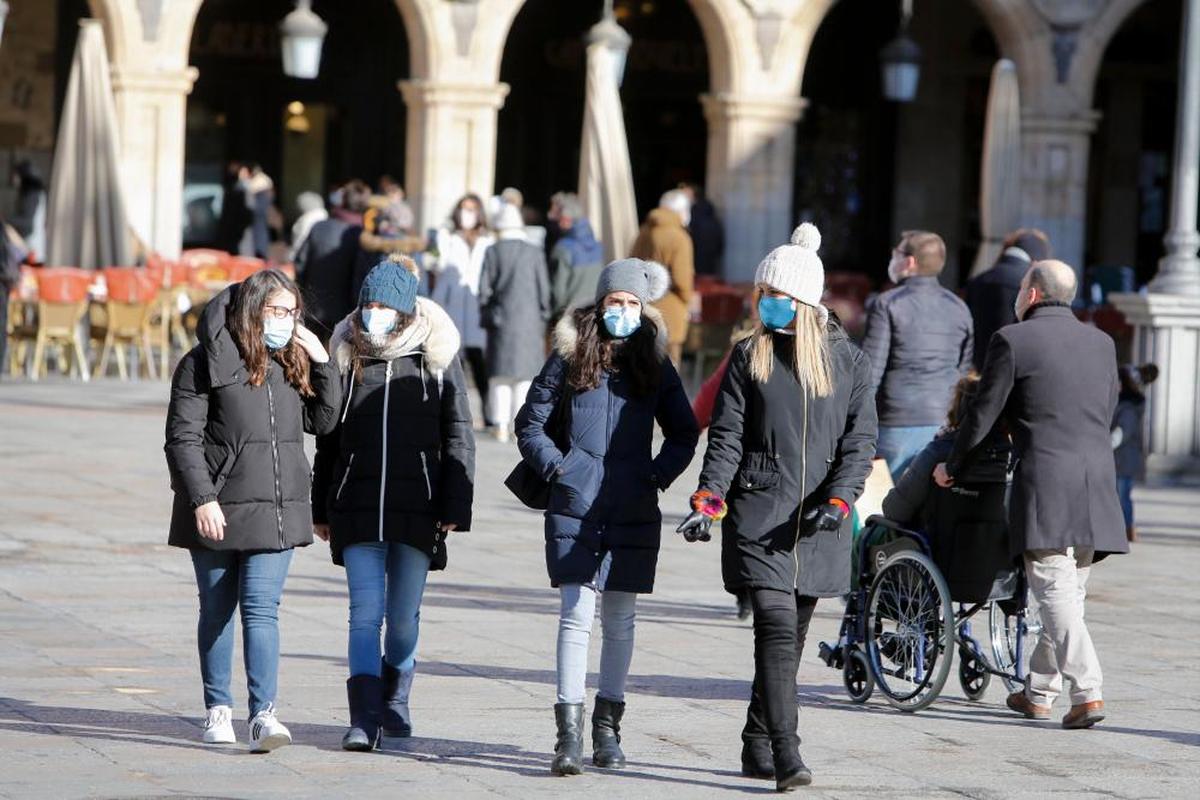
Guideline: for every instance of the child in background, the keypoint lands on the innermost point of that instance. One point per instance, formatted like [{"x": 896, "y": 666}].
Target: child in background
[{"x": 1127, "y": 436}]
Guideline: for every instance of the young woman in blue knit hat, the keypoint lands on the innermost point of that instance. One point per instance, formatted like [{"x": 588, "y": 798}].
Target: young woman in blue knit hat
[
  {"x": 391, "y": 482},
  {"x": 588, "y": 427}
]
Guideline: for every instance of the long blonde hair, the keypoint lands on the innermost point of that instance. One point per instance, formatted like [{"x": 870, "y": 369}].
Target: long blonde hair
[{"x": 810, "y": 358}]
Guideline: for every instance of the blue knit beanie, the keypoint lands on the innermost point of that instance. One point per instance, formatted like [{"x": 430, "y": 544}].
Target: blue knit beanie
[{"x": 392, "y": 283}]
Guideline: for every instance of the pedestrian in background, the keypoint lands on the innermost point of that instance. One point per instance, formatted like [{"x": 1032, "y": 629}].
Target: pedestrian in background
[
  {"x": 1054, "y": 382},
  {"x": 399, "y": 210},
  {"x": 588, "y": 428},
  {"x": 29, "y": 216},
  {"x": 1127, "y": 439},
  {"x": 241, "y": 402},
  {"x": 312, "y": 210},
  {"x": 577, "y": 259},
  {"x": 514, "y": 299},
  {"x": 664, "y": 239},
  {"x": 456, "y": 273},
  {"x": 708, "y": 235},
  {"x": 326, "y": 260},
  {"x": 920, "y": 339},
  {"x": 258, "y": 190},
  {"x": 991, "y": 295},
  {"x": 390, "y": 482},
  {"x": 789, "y": 451}
]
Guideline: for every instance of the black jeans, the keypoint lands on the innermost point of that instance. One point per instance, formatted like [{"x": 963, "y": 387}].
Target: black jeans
[
  {"x": 780, "y": 627},
  {"x": 476, "y": 362}
]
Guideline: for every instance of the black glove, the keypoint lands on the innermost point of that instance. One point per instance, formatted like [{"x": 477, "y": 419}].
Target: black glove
[
  {"x": 695, "y": 527},
  {"x": 825, "y": 517}
]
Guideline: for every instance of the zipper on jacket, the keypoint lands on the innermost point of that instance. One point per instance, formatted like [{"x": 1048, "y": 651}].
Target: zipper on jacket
[
  {"x": 387, "y": 388},
  {"x": 425, "y": 471},
  {"x": 803, "y": 486},
  {"x": 345, "y": 477},
  {"x": 275, "y": 463}
]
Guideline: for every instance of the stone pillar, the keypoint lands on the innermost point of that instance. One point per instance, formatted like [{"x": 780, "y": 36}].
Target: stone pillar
[
  {"x": 1179, "y": 270},
  {"x": 1054, "y": 173},
  {"x": 751, "y": 164},
  {"x": 151, "y": 107},
  {"x": 451, "y": 144}
]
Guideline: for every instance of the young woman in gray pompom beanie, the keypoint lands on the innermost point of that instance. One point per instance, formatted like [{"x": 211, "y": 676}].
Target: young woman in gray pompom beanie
[
  {"x": 587, "y": 427},
  {"x": 789, "y": 449}
]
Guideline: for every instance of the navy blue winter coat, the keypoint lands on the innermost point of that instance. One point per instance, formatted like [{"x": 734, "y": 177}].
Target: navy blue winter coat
[{"x": 603, "y": 523}]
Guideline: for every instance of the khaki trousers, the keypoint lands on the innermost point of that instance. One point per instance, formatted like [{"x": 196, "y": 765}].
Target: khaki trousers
[{"x": 1064, "y": 651}]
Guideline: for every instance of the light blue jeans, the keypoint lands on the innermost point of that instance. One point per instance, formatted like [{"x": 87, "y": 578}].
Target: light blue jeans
[
  {"x": 617, "y": 616},
  {"x": 386, "y": 579},
  {"x": 900, "y": 445},
  {"x": 229, "y": 580}
]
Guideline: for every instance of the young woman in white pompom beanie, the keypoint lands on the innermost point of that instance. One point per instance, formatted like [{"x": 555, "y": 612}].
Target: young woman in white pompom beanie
[{"x": 789, "y": 449}]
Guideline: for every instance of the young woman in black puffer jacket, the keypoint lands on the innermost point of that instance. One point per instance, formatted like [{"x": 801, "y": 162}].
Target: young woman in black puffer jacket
[
  {"x": 789, "y": 450},
  {"x": 241, "y": 402},
  {"x": 391, "y": 481}
]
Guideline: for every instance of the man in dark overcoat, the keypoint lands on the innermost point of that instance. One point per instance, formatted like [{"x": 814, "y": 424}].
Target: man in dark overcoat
[{"x": 1054, "y": 382}]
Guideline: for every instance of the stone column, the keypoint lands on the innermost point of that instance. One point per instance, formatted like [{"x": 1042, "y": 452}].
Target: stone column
[
  {"x": 1179, "y": 270},
  {"x": 751, "y": 165},
  {"x": 1054, "y": 173},
  {"x": 151, "y": 106},
  {"x": 1167, "y": 319},
  {"x": 451, "y": 144}
]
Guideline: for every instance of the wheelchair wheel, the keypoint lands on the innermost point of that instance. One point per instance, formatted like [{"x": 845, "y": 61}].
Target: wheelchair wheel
[
  {"x": 910, "y": 630},
  {"x": 1004, "y": 629},
  {"x": 856, "y": 675},
  {"x": 972, "y": 673}
]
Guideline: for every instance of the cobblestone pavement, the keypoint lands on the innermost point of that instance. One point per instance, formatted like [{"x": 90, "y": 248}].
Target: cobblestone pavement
[{"x": 100, "y": 691}]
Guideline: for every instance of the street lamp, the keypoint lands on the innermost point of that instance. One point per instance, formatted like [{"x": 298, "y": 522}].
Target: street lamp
[
  {"x": 900, "y": 60},
  {"x": 3, "y": 16},
  {"x": 302, "y": 33},
  {"x": 614, "y": 37}
]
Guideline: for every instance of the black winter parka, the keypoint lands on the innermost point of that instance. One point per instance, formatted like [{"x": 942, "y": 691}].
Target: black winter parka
[
  {"x": 242, "y": 445},
  {"x": 774, "y": 452}
]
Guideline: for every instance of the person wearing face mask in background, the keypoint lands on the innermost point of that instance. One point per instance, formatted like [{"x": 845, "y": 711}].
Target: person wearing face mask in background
[
  {"x": 391, "y": 482},
  {"x": 664, "y": 238},
  {"x": 456, "y": 274},
  {"x": 789, "y": 450},
  {"x": 920, "y": 339},
  {"x": 241, "y": 402},
  {"x": 607, "y": 382}
]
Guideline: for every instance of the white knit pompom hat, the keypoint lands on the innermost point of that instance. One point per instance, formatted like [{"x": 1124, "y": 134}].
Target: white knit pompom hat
[{"x": 796, "y": 270}]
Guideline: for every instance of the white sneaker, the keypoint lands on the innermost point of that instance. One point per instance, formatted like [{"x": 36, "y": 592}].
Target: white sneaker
[
  {"x": 502, "y": 434},
  {"x": 267, "y": 733},
  {"x": 218, "y": 726}
]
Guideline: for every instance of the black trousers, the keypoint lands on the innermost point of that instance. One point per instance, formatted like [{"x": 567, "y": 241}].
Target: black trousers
[
  {"x": 780, "y": 627},
  {"x": 476, "y": 362}
]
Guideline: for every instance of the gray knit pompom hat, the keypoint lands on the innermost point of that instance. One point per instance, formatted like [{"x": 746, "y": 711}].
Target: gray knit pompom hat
[{"x": 646, "y": 280}]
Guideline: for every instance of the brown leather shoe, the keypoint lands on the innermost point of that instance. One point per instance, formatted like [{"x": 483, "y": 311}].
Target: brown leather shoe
[
  {"x": 1084, "y": 715},
  {"x": 1018, "y": 702}
]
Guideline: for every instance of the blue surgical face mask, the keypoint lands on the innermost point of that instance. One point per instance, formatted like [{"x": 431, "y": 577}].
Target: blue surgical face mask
[
  {"x": 278, "y": 332},
  {"x": 622, "y": 321},
  {"x": 776, "y": 312},
  {"x": 379, "y": 320}
]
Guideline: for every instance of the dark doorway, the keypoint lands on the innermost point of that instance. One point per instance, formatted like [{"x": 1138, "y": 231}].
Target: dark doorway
[{"x": 542, "y": 119}]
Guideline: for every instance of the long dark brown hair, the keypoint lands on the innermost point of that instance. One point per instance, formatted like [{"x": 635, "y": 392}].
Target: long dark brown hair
[
  {"x": 596, "y": 352},
  {"x": 245, "y": 322}
]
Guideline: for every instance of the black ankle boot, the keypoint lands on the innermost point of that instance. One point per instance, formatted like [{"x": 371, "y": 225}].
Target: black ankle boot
[
  {"x": 606, "y": 734},
  {"x": 568, "y": 750},
  {"x": 365, "y": 693},
  {"x": 790, "y": 771},
  {"x": 397, "y": 722},
  {"x": 756, "y": 759}
]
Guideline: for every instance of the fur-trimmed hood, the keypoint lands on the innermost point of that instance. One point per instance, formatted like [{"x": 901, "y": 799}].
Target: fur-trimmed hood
[
  {"x": 440, "y": 346},
  {"x": 566, "y": 336}
]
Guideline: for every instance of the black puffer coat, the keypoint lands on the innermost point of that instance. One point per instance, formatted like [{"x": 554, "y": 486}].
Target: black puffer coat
[
  {"x": 242, "y": 445},
  {"x": 774, "y": 452},
  {"x": 603, "y": 523},
  {"x": 402, "y": 457}
]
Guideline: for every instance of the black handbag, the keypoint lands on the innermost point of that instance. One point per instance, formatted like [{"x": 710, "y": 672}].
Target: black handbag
[{"x": 524, "y": 481}]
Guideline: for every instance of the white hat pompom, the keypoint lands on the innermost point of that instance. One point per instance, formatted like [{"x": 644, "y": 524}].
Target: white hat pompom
[
  {"x": 658, "y": 280},
  {"x": 807, "y": 236}
]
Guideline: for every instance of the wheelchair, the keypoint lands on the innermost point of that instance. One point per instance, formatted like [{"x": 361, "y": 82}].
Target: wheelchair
[{"x": 901, "y": 626}]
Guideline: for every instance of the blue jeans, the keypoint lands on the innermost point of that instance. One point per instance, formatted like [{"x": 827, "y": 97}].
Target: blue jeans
[
  {"x": 385, "y": 579},
  {"x": 253, "y": 583},
  {"x": 900, "y": 445},
  {"x": 618, "y": 614},
  {"x": 1125, "y": 493}
]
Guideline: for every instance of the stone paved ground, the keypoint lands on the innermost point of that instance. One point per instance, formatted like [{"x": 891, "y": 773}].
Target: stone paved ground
[{"x": 100, "y": 695}]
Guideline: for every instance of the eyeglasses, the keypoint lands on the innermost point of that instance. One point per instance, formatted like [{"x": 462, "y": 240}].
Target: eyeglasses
[{"x": 281, "y": 312}]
